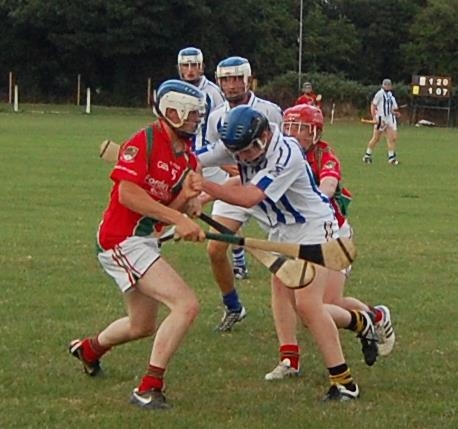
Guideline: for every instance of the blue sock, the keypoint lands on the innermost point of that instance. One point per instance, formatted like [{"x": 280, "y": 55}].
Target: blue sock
[
  {"x": 238, "y": 257},
  {"x": 231, "y": 301}
]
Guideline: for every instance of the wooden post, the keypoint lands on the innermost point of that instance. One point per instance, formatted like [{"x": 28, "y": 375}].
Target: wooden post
[
  {"x": 10, "y": 88},
  {"x": 148, "y": 92},
  {"x": 78, "y": 89}
]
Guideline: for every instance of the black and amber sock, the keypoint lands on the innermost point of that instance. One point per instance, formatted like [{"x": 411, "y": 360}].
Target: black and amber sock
[
  {"x": 153, "y": 379},
  {"x": 358, "y": 321},
  {"x": 341, "y": 374},
  {"x": 291, "y": 352}
]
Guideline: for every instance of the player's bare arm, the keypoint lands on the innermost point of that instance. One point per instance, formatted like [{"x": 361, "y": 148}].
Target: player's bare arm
[
  {"x": 241, "y": 195},
  {"x": 328, "y": 186},
  {"x": 374, "y": 112},
  {"x": 231, "y": 169}
]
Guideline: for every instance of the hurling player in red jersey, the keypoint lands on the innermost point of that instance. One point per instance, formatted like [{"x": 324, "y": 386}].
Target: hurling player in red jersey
[
  {"x": 305, "y": 123},
  {"x": 308, "y": 96},
  {"x": 154, "y": 183}
]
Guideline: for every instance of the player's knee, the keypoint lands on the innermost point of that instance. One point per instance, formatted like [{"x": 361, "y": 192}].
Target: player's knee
[
  {"x": 217, "y": 251},
  {"x": 191, "y": 309}
]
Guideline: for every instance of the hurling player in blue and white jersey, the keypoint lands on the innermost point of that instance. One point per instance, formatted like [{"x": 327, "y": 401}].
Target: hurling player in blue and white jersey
[
  {"x": 276, "y": 187},
  {"x": 190, "y": 63},
  {"x": 384, "y": 111},
  {"x": 234, "y": 77}
]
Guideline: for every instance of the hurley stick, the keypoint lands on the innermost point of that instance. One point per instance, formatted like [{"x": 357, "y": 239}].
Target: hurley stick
[{"x": 294, "y": 273}]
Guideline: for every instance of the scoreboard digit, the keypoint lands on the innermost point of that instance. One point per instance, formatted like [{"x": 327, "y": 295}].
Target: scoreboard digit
[{"x": 431, "y": 86}]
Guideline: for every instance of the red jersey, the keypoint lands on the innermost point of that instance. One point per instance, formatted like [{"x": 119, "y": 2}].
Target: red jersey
[
  {"x": 324, "y": 163},
  {"x": 159, "y": 173},
  {"x": 308, "y": 98}
]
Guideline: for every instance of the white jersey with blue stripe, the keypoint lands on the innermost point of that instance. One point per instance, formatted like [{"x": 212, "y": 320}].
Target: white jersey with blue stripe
[
  {"x": 385, "y": 103},
  {"x": 285, "y": 177},
  {"x": 271, "y": 110}
]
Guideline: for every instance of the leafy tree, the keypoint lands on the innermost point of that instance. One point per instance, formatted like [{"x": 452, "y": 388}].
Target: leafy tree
[
  {"x": 116, "y": 45},
  {"x": 329, "y": 45},
  {"x": 382, "y": 26},
  {"x": 434, "y": 40}
]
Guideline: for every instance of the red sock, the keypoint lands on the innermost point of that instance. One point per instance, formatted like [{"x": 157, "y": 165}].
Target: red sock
[
  {"x": 92, "y": 350},
  {"x": 153, "y": 379},
  {"x": 291, "y": 352}
]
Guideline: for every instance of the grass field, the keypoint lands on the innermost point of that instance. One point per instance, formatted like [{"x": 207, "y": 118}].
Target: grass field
[{"x": 53, "y": 190}]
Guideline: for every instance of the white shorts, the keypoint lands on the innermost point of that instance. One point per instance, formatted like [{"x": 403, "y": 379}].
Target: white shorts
[
  {"x": 384, "y": 122},
  {"x": 345, "y": 230},
  {"x": 223, "y": 209},
  {"x": 129, "y": 260},
  {"x": 312, "y": 232}
]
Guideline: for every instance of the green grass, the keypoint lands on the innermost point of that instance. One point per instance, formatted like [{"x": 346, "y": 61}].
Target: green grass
[{"x": 53, "y": 191}]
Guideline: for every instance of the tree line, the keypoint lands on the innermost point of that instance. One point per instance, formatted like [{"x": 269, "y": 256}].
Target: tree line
[{"x": 116, "y": 45}]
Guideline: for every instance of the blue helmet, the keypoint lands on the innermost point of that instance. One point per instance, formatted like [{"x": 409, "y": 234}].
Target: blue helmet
[
  {"x": 241, "y": 126},
  {"x": 181, "y": 96}
]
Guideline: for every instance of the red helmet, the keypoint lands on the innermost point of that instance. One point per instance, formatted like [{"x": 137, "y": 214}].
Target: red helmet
[{"x": 304, "y": 114}]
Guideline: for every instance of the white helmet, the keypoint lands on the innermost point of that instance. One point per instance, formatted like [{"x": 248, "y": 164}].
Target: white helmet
[
  {"x": 180, "y": 96},
  {"x": 234, "y": 66},
  {"x": 190, "y": 56}
]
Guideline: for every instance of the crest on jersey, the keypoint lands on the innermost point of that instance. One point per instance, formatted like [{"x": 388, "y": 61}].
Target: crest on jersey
[
  {"x": 129, "y": 154},
  {"x": 329, "y": 165}
]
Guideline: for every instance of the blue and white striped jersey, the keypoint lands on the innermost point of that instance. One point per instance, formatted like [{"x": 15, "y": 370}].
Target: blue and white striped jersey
[
  {"x": 292, "y": 195},
  {"x": 384, "y": 102}
]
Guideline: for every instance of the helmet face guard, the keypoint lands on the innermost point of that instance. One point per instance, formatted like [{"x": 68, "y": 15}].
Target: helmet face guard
[
  {"x": 303, "y": 115},
  {"x": 387, "y": 85},
  {"x": 258, "y": 145},
  {"x": 242, "y": 130},
  {"x": 190, "y": 56},
  {"x": 182, "y": 97},
  {"x": 307, "y": 87},
  {"x": 234, "y": 67}
]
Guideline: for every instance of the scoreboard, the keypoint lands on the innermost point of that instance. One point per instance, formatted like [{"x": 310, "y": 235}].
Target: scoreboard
[{"x": 432, "y": 86}]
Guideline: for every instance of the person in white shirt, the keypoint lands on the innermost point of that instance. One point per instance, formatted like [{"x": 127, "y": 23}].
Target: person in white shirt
[
  {"x": 276, "y": 187},
  {"x": 234, "y": 77},
  {"x": 190, "y": 64},
  {"x": 384, "y": 111}
]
